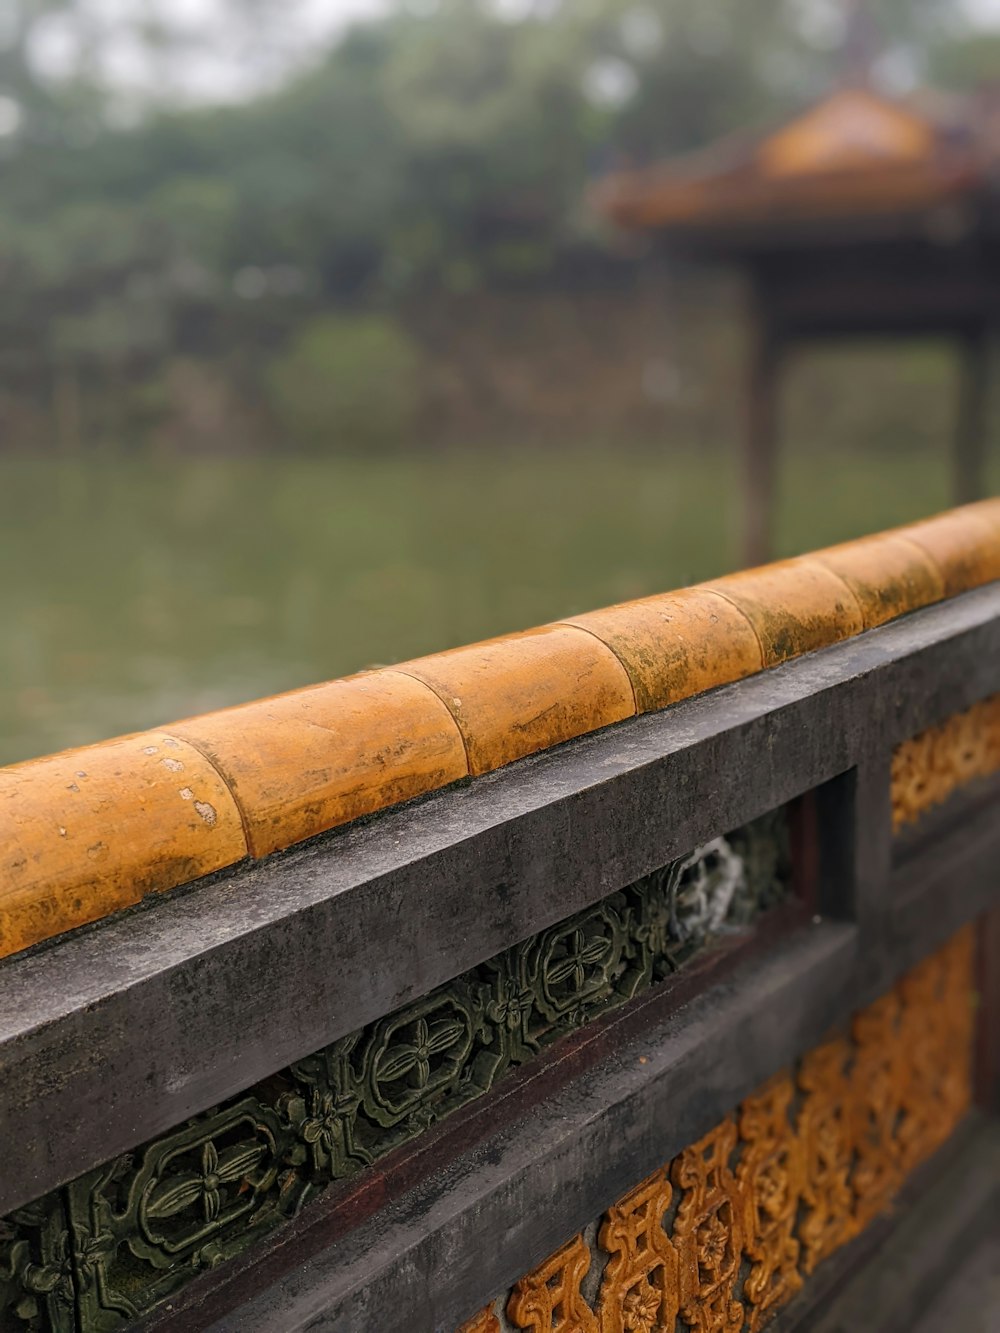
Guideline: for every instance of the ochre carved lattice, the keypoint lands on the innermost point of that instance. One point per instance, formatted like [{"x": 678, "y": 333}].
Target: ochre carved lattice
[
  {"x": 877, "y": 1076},
  {"x": 825, "y": 1133},
  {"x": 929, "y": 767},
  {"x": 936, "y": 1029},
  {"x": 709, "y": 1232},
  {"x": 549, "y": 1300},
  {"x": 641, "y": 1285},
  {"x": 770, "y": 1174},
  {"x": 804, "y": 1164},
  {"x": 484, "y": 1322}
]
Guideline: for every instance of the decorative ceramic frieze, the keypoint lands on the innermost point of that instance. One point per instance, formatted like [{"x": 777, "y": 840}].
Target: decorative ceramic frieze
[
  {"x": 38, "y": 1267},
  {"x": 725, "y": 1234},
  {"x": 933, "y": 765},
  {"x": 139, "y": 1228}
]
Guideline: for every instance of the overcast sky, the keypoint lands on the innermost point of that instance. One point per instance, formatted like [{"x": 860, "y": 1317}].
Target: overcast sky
[
  {"x": 220, "y": 60},
  {"x": 219, "y": 63}
]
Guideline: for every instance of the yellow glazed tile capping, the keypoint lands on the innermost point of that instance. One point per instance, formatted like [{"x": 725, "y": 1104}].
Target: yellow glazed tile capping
[
  {"x": 887, "y": 575},
  {"x": 514, "y": 696},
  {"x": 678, "y": 644},
  {"x": 963, "y": 544},
  {"x": 266, "y": 775},
  {"x": 795, "y": 606},
  {"x": 306, "y": 761},
  {"x": 988, "y": 511},
  {"x": 89, "y": 831}
]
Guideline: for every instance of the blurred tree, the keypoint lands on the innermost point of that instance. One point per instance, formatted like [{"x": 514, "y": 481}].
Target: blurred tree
[
  {"x": 440, "y": 148},
  {"x": 346, "y": 383},
  {"x": 968, "y": 62}
]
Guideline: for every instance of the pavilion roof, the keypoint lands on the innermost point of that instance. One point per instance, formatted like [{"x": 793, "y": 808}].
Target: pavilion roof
[{"x": 855, "y": 153}]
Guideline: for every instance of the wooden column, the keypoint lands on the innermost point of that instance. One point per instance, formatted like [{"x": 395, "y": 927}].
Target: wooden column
[
  {"x": 760, "y": 445},
  {"x": 968, "y": 481}
]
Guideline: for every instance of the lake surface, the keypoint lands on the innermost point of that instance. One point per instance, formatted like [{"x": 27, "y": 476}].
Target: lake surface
[{"x": 133, "y": 592}]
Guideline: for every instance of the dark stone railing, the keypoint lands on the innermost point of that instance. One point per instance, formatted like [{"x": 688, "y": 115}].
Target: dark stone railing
[{"x": 374, "y": 1081}]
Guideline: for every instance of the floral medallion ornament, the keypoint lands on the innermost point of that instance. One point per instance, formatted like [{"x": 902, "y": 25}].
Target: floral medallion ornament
[
  {"x": 825, "y": 1131},
  {"x": 877, "y": 1078},
  {"x": 936, "y": 1025},
  {"x": 640, "y": 1290},
  {"x": 141, "y": 1225},
  {"x": 416, "y": 1054},
  {"x": 770, "y": 1175},
  {"x": 708, "y": 1232},
  {"x": 583, "y": 965}
]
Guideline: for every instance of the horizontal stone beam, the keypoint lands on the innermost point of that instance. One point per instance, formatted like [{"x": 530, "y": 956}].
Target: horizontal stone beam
[{"x": 120, "y": 1032}]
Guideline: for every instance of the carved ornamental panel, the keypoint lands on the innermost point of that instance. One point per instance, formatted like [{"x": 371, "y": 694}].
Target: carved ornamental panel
[
  {"x": 122, "y": 1239},
  {"x": 801, "y": 1168},
  {"x": 932, "y": 766}
]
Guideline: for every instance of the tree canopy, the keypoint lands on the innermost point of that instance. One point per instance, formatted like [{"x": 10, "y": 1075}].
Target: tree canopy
[{"x": 443, "y": 147}]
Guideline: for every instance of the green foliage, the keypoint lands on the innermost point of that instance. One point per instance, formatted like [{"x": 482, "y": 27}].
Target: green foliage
[
  {"x": 345, "y": 382},
  {"x": 970, "y": 62},
  {"x": 440, "y": 148}
]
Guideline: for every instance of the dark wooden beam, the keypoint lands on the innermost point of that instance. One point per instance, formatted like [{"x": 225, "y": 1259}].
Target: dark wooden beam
[
  {"x": 969, "y": 482},
  {"x": 760, "y": 444}
]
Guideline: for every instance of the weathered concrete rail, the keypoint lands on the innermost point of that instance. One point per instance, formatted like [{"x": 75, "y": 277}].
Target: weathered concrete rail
[{"x": 459, "y": 1055}]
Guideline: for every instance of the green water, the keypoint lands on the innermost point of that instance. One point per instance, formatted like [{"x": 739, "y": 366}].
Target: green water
[{"x": 135, "y": 592}]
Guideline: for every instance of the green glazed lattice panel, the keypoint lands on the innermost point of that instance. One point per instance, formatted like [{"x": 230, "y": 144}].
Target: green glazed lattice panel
[{"x": 121, "y": 1239}]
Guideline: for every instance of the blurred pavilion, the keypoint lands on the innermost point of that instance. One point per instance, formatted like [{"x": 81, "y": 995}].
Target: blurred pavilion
[{"x": 864, "y": 216}]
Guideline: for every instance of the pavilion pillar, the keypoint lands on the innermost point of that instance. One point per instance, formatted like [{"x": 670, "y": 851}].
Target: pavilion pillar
[
  {"x": 969, "y": 481},
  {"x": 760, "y": 445}
]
